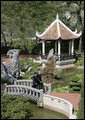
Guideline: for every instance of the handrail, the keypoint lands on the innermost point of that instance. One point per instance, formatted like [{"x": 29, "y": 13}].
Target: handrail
[
  {"x": 31, "y": 93},
  {"x": 24, "y": 82},
  {"x": 47, "y": 87}
]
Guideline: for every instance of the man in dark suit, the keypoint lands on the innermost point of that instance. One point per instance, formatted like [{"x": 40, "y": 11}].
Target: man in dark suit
[
  {"x": 35, "y": 81},
  {"x": 39, "y": 80}
]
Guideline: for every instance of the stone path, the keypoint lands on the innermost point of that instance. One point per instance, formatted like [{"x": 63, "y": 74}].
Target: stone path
[{"x": 6, "y": 58}]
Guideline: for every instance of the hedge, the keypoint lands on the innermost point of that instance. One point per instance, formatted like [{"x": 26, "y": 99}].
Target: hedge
[{"x": 15, "y": 107}]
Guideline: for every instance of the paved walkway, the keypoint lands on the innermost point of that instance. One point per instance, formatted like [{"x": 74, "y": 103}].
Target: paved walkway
[
  {"x": 74, "y": 98},
  {"x": 6, "y": 58}
]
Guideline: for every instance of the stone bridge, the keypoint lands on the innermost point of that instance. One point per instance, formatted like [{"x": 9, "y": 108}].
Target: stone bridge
[
  {"x": 60, "y": 102},
  {"x": 24, "y": 88}
]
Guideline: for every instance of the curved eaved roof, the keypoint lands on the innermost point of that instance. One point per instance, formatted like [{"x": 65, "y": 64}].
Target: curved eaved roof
[{"x": 58, "y": 30}]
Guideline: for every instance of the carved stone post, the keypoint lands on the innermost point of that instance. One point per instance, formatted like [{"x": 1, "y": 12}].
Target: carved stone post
[
  {"x": 5, "y": 90},
  {"x": 49, "y": 88}
]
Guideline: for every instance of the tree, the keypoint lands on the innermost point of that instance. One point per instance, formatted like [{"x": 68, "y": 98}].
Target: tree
[
  {"x": 80, "y": 114},
  {"x": 21, "y": 19}
]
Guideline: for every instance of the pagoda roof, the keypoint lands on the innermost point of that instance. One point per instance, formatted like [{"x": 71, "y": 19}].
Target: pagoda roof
[{"x": 58, "y": 30}]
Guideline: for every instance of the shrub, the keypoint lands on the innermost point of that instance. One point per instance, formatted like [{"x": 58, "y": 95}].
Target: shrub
[
  {"x": 80, "y": 61},
  {"x": 15, "y": 107},
  {"x": 78, "y": 84},
  {"x": 75, "y": 84},
  {"x": 75, "y": 88},
  {"x": 80, "y": 113},
  {"x": 5, "y": 81}
]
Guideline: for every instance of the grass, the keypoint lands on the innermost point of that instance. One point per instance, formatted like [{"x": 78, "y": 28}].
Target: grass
[{"x": 64, "y": 89}]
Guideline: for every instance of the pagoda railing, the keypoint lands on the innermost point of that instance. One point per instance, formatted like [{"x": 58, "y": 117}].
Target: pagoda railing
[{"x": 64, "y": 56}]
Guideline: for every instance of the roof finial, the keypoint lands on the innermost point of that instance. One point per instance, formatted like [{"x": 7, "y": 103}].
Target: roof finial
[
  {"x": 57, "y": 17},
  {"x": 37, "y": 33},
  {"x": 75, "y": 30}
]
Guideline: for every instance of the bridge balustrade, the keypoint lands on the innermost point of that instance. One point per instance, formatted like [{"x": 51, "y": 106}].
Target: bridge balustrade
[
  {"x": 24, "y": 82},
  {"x": 47, "y": 87},
  {"x": 31, "y": 93}
]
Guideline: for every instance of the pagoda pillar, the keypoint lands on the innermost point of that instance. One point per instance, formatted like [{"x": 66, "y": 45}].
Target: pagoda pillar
[
  {"x": 43, "y": 47},
  {"x": 59, "y": 49},
  {"x": 70, "y": 47},
  {"x": 56, "y": 47},
  {"x": 72, "y": 50}
]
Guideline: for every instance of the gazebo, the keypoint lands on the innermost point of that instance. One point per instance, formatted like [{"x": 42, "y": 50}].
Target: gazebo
[{"x": 58, "y": 32}]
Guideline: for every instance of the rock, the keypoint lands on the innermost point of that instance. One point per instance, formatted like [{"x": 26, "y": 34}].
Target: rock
[
  {"x": 50, "y": 55},
  {"x": 14, "y": 61},
  {"x": 7, "y": 74},
  {"x": 29, "y": 68},
  {"x": 21, "y": 73}
]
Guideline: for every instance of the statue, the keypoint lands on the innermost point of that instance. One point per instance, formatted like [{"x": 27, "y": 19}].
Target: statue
[{"x": 14, "y": 62}]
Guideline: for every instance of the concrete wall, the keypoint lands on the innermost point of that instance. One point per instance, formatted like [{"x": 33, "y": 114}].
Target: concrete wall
[{"x": 57, "y": 104}]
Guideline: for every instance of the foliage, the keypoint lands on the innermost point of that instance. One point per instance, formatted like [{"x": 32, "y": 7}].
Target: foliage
[
  {"x": 64, "y": 89},
  {"x": 24, "y": 63},
  {"x": 80, "y": 113},
  {"x": 25, "y": 46},
  {"x": 75, "y": 83},
  {"x": 75, "y": 88},
  {"x": 15, "y": 107},
  {"x": 80, "y": 61},
  {"x": 5, "y": 81},
  {"x": 70, "y": 81},
  {"x": 21, "y": 19},
  {"x": 57, "y": 73}
]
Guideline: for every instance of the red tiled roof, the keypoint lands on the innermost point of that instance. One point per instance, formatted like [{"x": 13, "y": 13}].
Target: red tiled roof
[
  {"x": 58, "y": 30},
  {"x": 73, "y": 98},
  {"x": 51, "y": 34},
  {"x": 65, "y": 33}
]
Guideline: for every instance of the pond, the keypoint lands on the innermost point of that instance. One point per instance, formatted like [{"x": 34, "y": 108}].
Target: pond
[
  {"x": 65, "y": 77},
  {"x": 41, "y": 113}
]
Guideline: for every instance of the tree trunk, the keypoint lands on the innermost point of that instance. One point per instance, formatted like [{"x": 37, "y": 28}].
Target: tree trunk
[
  {"x": 80, "y": 44},
  {"x": 4, "y": 39}
]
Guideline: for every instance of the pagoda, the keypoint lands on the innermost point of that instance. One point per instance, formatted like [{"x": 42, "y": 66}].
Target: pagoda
[{"x": 58, "y": 32}]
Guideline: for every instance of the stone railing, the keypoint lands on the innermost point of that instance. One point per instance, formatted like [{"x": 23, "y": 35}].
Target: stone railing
[
  {"x": 58, "y": 104},
  {"x": 24, "y": 82},
  {"x": 31, "y": 93},
  {"x": 47, "y": 87}
]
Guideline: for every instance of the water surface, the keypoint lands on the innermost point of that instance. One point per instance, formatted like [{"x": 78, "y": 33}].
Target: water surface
[{"x": 42, "y": 113}]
